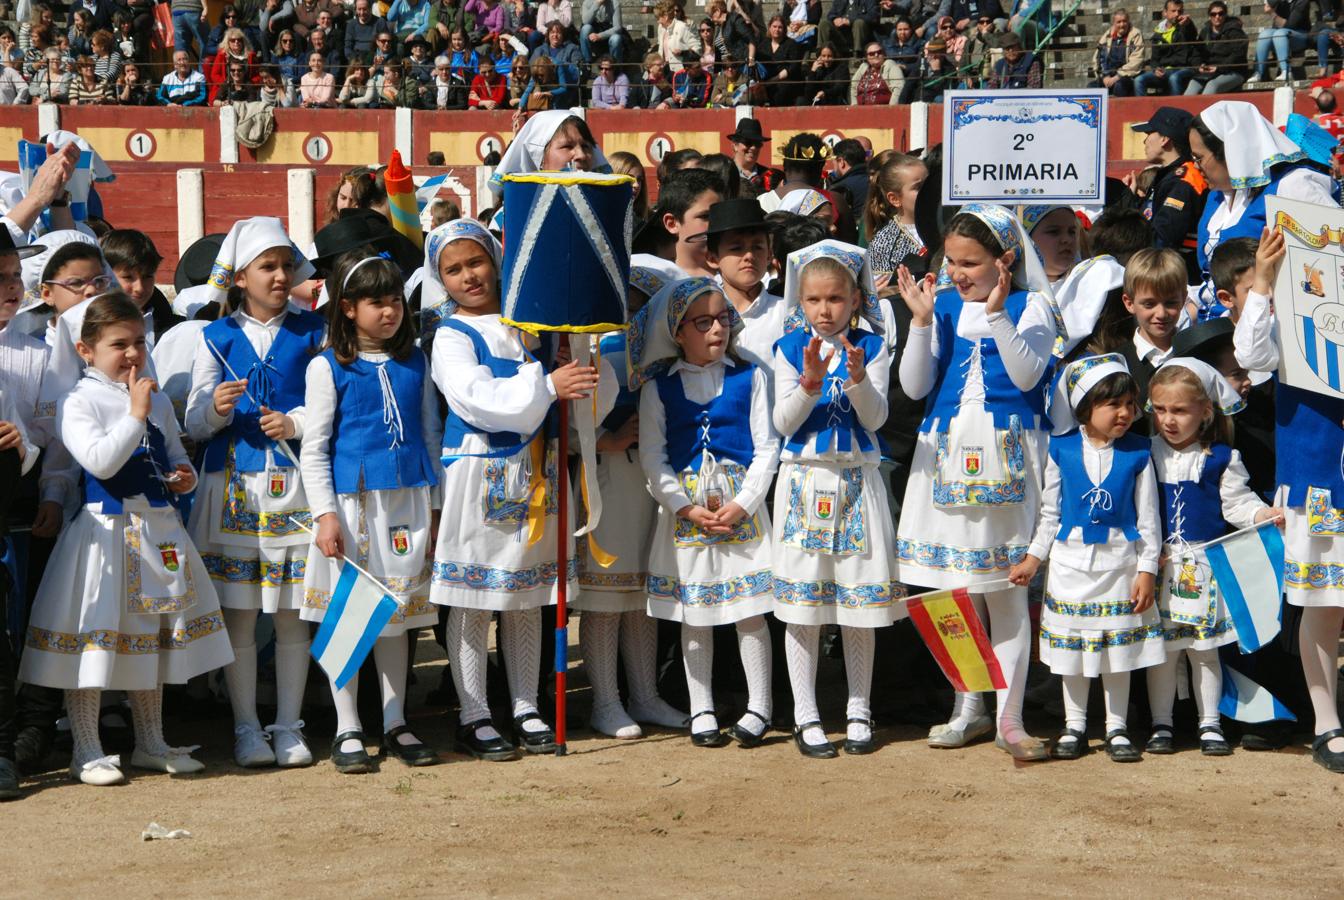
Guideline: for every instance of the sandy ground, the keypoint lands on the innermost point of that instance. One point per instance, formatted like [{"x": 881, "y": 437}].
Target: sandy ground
[{"x": 660, "y": 818}]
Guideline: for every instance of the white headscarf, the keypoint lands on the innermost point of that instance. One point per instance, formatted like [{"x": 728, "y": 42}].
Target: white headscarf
[
  {"x": 1220, "y": 393},
  {"x": 1251, "y": 145},
  {"x": 528, "y": 149},
  {"x": 803, "y": 201},
  {"x": 854, "y": 259},
  {"x": 651, "y": 344},
  {"x": 246, "y": 240},
  {"x": 189, "y": 301},
  {"x": 432, "y": 291},
  {"x": 1028, "y": 270},
  {"x": 1080, "y": 377},
  {"x": 1081, "y": 296}
]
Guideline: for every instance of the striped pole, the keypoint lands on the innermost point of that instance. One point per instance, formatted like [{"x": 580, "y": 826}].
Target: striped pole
[{"x": 401, "y": 202}]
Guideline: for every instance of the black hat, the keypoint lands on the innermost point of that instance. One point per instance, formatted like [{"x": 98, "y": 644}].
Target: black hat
[
  {"x": 359, "y": 228},
  {"x": 748, "y": 131},
  {"x": 194, "y": 266},
  {"x": 1204, "y": 340},
  {"x": 7, "y": 246},
  {"x": 735, "y": 215},
  {"x": 1167, "y": 121},
  {"x": 417, "y": 42}
]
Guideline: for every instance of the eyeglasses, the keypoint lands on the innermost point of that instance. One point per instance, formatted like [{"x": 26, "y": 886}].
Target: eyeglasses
[
  {"x": 384, "y": 40},
  {"x": 98, "y": 283},
  {"x": 704, "y": 323},
  {"x": 986, "y": 21},
  {"x": 945, "y": 27},
  {"x": 874, "y": 53}
]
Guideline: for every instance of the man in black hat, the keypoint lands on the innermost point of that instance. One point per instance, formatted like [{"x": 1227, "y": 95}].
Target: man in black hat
[
  {"x": 747, "y": 140},
  {"x": 1175, "y": 202}
]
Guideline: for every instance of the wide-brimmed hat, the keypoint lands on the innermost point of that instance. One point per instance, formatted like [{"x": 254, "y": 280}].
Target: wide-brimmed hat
[
  {"x": 7, "y": 245},
  {"x": 1204, "y": 340},
  {"x": 359, "y": 228},
  {"x": 748, "y": 131},
  {"x": 193, "y": 267},
  {"x": 736, "y": 214}
]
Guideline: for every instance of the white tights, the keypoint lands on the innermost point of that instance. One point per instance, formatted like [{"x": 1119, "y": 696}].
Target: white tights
[
  {"x": 82, "y": 705},
  {"x": 391, "y": 655},
  {"x": 632, "y": 634},
  {"x": 291, "y": 665},
  {"x": 519, "y": 641},
  {"x": 753, "y": 643},
  {"x": 1206, "y": 679},
  {"x": 801, "y": 650},
  {"x": 1318, "y": 637},
  {"x": 1115, "y": 690},
  {"x": 1009, "y": 625}
]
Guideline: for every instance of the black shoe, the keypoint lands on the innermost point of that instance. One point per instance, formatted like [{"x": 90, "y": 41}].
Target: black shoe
[
  {"x": 1266, "y": 736},
  {"x": 354, "y": 762},
  {"x": 1121, "y": 753},
  {"x": 416, "y": 754},
  {"x": 1069, "y": 749},
  {"x": 825, "y": 750},
  {"x": 32, "y": 746},
  {"x": 1212, "y": 742},
  {"x": 533, "y": 741},
  {"x": 744, "y": 737},
  {"x": 495, "y": 749},
  {"x": 1332, "y": 760},
  {"x": 858, "y": 748},
  {"x": 9, "y": 780},
  {"x": 713, "y": 738},
  {"x": 1162, "y": 742}
]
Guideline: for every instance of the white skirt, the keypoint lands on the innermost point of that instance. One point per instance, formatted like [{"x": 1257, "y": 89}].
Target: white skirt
[
  {"x": 833, "y": 547},
  {"x": 1194, "y": 616},
  {"x": 484, "y": 559},
  {"x": 255, "y": 554},
  {"x": 387, "y": 534},
  {"x": 125, "y": 604},
  {"x": 1313, "y": 566},
  {"x": 625, "y": 531},
  {"x": 965, "y": 546},
  {"x": 706, "y": 580},
  {"x": 1089, "y": 628}
]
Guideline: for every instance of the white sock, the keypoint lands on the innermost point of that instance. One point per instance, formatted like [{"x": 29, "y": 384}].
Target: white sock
[
  {"x": 241, "y": 675},
  {"x": 599, "y": 642},
  {"x": 520, "y": 633},
  {"x": 1076, "y": 689},
  {"x": 1115, "y": 691},
  {"x": 392, "y": 656},
  {"x": 147, "y": 719},
  {"x": 1206, "y": 682},
  {"x": 1162, "y": 689},
  {"x": 801, "y": 652},
  {"x": 346, "y": 701},
  {"x": 697, "y": 650},
  {"x": 1010, "y": 636},
  {"x": 468, "y": 633},
  {"x": 753, "y": 644},
  {"x": 639, "y": 646},
  {"x": 858, "y": 646},
  {"x": 1318, "y": 637},
  {"x": 291, "y": 665},
  {"x": 82, "y": 707}
]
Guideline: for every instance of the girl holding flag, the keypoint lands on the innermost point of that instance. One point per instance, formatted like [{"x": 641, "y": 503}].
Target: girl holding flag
[
  {"x": 247, "y": 389},
  {"x": 372, "y": 430}
]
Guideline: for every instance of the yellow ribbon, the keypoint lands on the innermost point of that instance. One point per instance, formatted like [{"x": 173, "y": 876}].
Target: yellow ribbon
[
  {"x": 1327, "y": 235},
  {"x": 600, "y": 556},
  {"x": 536, "y": 491}
]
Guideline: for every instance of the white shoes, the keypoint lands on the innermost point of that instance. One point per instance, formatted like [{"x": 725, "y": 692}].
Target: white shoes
[
  {"x": 945, "y": 737},
  {"x": 611, "y": 720},
  {"x": 291, "y": 750},
  {"x": 99, "y": 772},
  {"x": 250, "y": 748},
  {"x": 659, "y": 712},
  {"x": 177, "y": 761}
]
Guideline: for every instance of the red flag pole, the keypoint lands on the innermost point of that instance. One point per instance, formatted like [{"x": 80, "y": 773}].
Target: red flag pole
[{"x": 562, "y": 581}]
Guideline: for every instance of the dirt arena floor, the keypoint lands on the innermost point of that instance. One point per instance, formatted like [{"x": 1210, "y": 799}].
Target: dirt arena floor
[{"x": 660, "y": 818}]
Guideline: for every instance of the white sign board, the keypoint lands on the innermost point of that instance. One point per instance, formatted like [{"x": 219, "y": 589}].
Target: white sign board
[
  {"x": 1024, "y": 146},
  {"x": 1309, "y": 295}
]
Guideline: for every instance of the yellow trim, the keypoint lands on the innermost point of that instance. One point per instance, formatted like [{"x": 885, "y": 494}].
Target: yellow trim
[
  {"x": 558, "y": 178},
  {"x": 534, "y": 329}
]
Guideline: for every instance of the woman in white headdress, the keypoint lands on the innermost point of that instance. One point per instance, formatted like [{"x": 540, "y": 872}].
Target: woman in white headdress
[{"x": 554, "y": 140}]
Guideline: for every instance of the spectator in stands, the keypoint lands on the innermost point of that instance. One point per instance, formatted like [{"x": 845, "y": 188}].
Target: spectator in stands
[
  {"x": 955, "y": 43},
  {"x": 731, "y": 86},
  {"x": 398, "y": 89},
  {"x": 317, "y": 88},
  {"x": 1287, "y": 33},
  {"x": 361, "y": 29},
  {"x": 410, "y": 18},
  {"x": 733, "y": 35},
  {"x": 228, "y": 18},
  {"x": 99, "y": 14},
  {"x": 1119, "y": 56},
  {"x": 803, "y": 17},
  {"x": 827, "y": 80},
  {"x": 520, "y": 74},
  {"x": 877, "y": 81},
  {"x": 691, "y": 86},
  {"x": 653, "y": 90},
  {"x": 489, "y": 23},
  {"x": 13, "y": 89},
  {"x": 189, "y": 25},
  {"x": 287, "y": 58},
  {"x": 674, "y": 37},
  {"x": 1017, "y": 69},
  {"x": 237, "y": 89},
  {"x": 51, "y": 83},
  {"x": 318, "y": 43},
  {"x": 85, "y": 88},
  {"x": 849, "y": 25},
  {"x": 421, "y": 67},
  {"x": 357, "y": 92},
  {"x": 1222, "y": 45},
  {"x": 850, "y": 172},
  {"x": 549, "y": 12},
  {"x": 35, "y": 57},
  {"x": 611, "y": 90},
  {"x": 603, "y": 30},
  {"x": 39, "y": 14},
  {"x": 307, "y": 15},
  {"x": 233, "y": 49},
  {"x": 275, "y": 91},
  {"x": 781, "y": 63},
  {"x": 1175, "y": 53},
  {"x": 81, "y": 29},
  {"x": 463, "y": 61},
  {"x": 488, "y": 89},
  {"x": 447, "y": 16},
  {"x": 904, "y": 48},
  {"x": 520, "y": 21},
  {"x": 565, "y": 54},
  {"x": 384, "y": 51},
  {"x": 9, "y": 47},
  {"x": 131, "y": 42},
  {"x": 549, "y": 87},
  {"x": 940, "y": 72},
  {"x": 184, "y": 86},
  {"x": 132, "y": 89},
  {"x": 106, "y": 59},
  {"x": 978, "y": 55}
]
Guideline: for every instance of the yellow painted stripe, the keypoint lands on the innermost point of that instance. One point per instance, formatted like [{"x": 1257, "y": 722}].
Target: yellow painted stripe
[{"x": 170, "y": 144}]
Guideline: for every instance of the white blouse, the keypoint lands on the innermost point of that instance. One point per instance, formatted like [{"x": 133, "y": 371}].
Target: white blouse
[
  {"x": 868, "y": 398},
  {"x": 1239, "y": 502}
]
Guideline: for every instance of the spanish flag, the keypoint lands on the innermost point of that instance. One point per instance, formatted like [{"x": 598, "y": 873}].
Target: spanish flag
[{"x": 947, "y": 622}]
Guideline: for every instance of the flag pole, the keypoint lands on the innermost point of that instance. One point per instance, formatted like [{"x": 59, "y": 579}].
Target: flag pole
[
  {"x": 356, "y": 566},
  {"x": 561, "y": 579},
  {"x": 1238, "y": 533}
]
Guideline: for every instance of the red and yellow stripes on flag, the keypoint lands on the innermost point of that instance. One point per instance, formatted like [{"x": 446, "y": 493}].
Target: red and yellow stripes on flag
[{"x": 947, "y": 622}]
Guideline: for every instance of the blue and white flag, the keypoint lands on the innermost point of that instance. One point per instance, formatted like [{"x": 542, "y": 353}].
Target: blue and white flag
[
  {"x": 31, "y": 158},
  {"x": 1246, "y": 701},
  {"x": 428, "y": 189},
  {"x": 358, "y": 612},
  {"x": 1248, "y": 569}
]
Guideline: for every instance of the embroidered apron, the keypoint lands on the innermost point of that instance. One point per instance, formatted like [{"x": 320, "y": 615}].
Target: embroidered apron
[
  {"x": 977, "y": 464},
  {"x": 158, "y": 572}
]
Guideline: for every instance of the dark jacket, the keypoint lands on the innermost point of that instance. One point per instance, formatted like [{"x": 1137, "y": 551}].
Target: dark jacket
[
  {"x": 1226, "y": 49},
  {"x": 866, "y": 10},
  {"x": 645, "y": 95},
  {"x": 855, "y": 184},
  {"x": 974, "y": 9},
  {"x": 1026, "y": 74},
  {"x": 1178, "y": 48},
  {"x": 162, "y": 313},
  {"x": 906, "y": 55},
  {"x": 833, "y": 81},
  {"x": 1297, "y": 13},
  {"x": 359, "y": 38},
  {"x": 1175, "y": 205}
]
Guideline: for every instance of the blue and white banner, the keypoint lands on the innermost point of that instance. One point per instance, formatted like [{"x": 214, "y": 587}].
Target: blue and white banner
[
  {"x": 358, "y": 612},
  {"x": 31, "y": 158},
  {"x": 1248, "y": 569},
  {"x": 1246, "y": 701},
  {"x": 1309, "y": 295}
]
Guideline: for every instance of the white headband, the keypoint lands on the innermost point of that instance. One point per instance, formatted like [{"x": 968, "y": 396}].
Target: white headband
[
  {"x": 382, "y": 257},
  {"x": 1216, "y": 388}
]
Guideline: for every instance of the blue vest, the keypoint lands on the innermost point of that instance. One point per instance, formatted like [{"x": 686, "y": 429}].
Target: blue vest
[
  {"x": 1307, "y": 437},
  {"x": 1003, "y": 399},
  {"x": 1096, "y": 509},
  {"x": 1200, "y": 512},
  {"x": 1252, "y": 220},
  {"x": 456, "y": 428},
  {"x": 832, "y": 419},
  {"x": 613, "y": 347},
  {"x": 277, "y": 382},
  {"x": 722, "y": 426},
  {"x": 136, "y": 476},
  {"x": 369, "y": 446}
]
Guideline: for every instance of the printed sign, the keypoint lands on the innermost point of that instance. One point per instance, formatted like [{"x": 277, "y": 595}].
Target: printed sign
[
  {"x": 1024, "y": 146},
  {"x": 1309, "y": 295}
]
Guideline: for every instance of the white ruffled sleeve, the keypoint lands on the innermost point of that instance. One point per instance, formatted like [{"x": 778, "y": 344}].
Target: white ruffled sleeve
[{"x": 518, "y": 403}]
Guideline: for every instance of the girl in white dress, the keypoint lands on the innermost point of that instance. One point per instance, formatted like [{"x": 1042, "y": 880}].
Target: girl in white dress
[
  {"x": 496, "y": 543},
  {"x": 1100, "y": 530},
  {"x": 615, "y": 619},
  {"x": 126, "y": 602},
  {"x": 1204, "y": 494},
  {"x": 980, "y": 351},
  {"x": 834, "y": 544},
  {"x": 371, "y": 436},
  {"x": 247, "y": 394},
  {"x": 708, "y": 450}
]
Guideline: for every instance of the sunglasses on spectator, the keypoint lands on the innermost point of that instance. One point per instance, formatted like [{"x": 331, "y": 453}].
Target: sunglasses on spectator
[
  {"x": 1217, "y": 13},
  {"x": 986, "y": 21},
  {"x": 945, "y": 26},
  {"x": 874, "y": 53}
]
